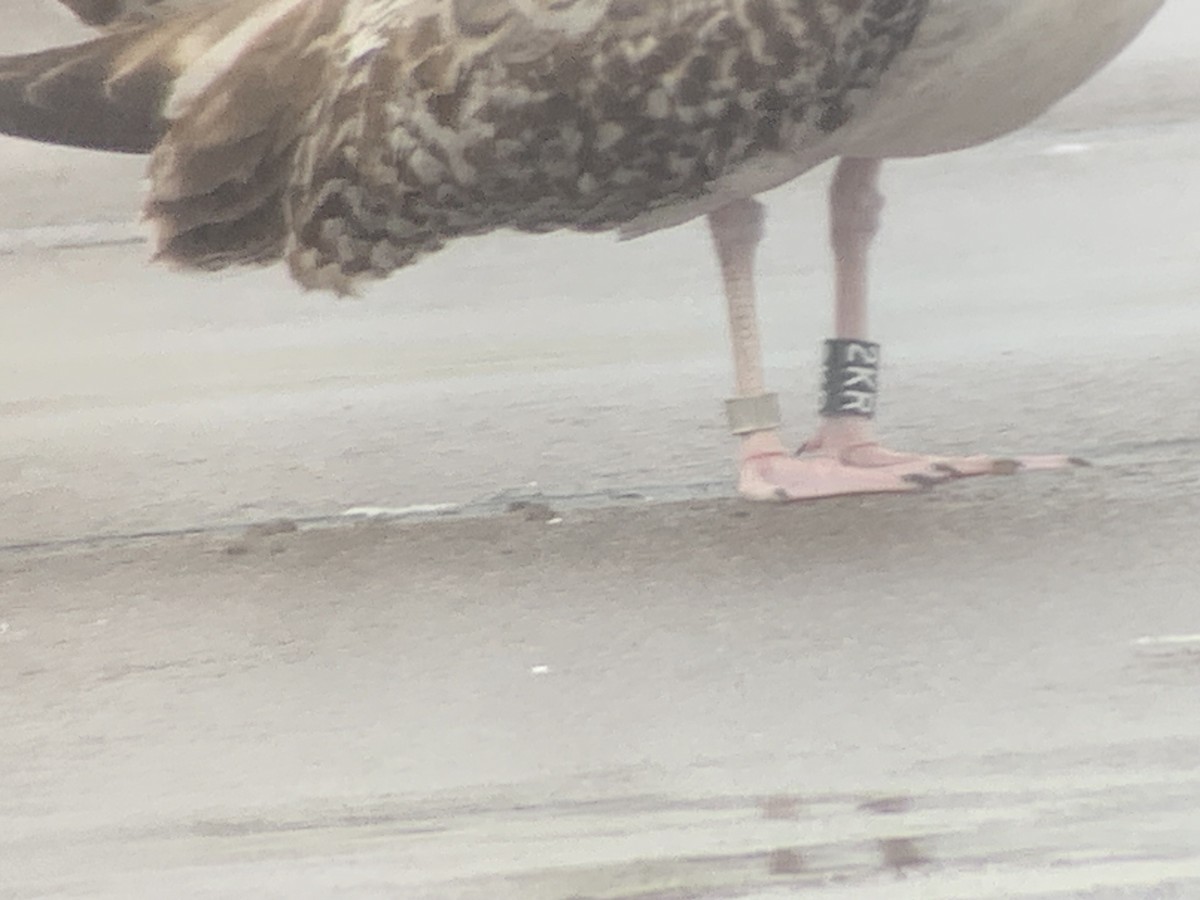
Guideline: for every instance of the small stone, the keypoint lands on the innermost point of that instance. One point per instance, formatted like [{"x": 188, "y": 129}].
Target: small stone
[
  {"x": 273, "y": 527},
  {"x": 887, "y": 805},
  {"x": 780, "y": 806},
  {"x": 786, "y": 861},
  {"x": 535, "y": 511}
]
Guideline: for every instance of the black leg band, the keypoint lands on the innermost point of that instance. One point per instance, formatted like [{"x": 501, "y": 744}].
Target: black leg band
[{"x": 851, "y": 378}]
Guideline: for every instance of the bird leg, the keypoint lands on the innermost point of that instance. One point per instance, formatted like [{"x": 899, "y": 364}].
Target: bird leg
[
  {"x": 767, "y": 471},
  {"x": 846, "y": 432}
]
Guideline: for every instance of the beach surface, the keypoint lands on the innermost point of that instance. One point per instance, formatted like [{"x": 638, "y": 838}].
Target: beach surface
[{"x": 443, "y": 592}]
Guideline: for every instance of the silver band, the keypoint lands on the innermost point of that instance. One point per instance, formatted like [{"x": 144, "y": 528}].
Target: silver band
[{"x": 749, "y": 414}]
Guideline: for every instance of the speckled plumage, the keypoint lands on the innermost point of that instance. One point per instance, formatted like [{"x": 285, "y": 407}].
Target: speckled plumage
[
  {"x": 353, "y": 136},
  {"x": 468, "y": 116},
  {"x": 350, "y": 137}
]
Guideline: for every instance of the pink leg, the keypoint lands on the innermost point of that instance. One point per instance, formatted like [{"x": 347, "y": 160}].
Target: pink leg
[
  {"x": 767, "y": 470},
  {"x": 855, "y": 207}
]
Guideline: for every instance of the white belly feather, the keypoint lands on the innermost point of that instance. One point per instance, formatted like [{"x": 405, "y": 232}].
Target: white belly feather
[{"x": 976, "y": 70}]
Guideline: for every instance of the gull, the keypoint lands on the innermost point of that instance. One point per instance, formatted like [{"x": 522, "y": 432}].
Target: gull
[{"x": 351, "y": 138}]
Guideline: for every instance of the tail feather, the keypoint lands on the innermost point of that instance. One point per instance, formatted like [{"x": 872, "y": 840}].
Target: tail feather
[
  {"x": 220, "y": 174},
  {"x": 213, "y": 221},
  {"x": 111, "y": 14},
  {"x": 256, "y": 233},
  {"x": 218, "y": 97},
  {"x": 114, "y": 92},
  {"x": 72, "y": 96},
  {"x": 195, "y": 172}
]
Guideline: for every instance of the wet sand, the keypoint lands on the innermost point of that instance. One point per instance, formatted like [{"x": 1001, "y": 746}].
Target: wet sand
[
  {"x": 582, "y": 668},
  {"x": 709, "y": 695}
]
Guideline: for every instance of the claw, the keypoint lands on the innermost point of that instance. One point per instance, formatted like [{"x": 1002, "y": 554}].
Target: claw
[{"x": 830, "y": 467}]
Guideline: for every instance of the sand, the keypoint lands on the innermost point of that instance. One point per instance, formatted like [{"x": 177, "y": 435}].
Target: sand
[{"x": 444, "y": 592}]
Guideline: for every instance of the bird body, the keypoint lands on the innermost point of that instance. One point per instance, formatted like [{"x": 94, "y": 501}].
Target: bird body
[
  {"x": 431, "y": 120},
  {"x": 352, "y": 137}
]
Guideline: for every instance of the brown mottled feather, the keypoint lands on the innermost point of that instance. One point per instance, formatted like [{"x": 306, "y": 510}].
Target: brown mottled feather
[
  {"x": 221, "y": 173},
  {"x": 351, "y": 137}
]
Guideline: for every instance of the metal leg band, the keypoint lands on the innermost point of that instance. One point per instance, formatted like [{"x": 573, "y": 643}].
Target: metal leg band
[
  {"x": 851, "y": 378},
  {"x": 747, "y": 415}
]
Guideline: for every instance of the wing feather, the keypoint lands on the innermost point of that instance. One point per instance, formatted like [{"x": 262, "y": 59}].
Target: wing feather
[
  {"x": 351, "y": 137},
  {"x": 113, "y": 14}
]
